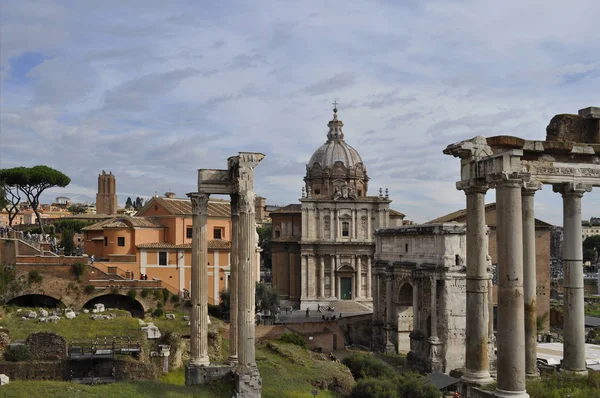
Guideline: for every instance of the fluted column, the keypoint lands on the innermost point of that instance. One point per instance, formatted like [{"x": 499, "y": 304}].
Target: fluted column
[
  {"x": 303, "y": 274},
  {"x": 199, "y": 293},
  {"x": 312, "y": 277},
  {"x": 434, "y": 341},
  {"x": 233, "y": 288},
  {"x": 511, "y": 312},
  {"x": 529, "y": 277},
  {"x": 332, "y": 277},
  {"x": 477, "y": 361},
  {"x": 573, "y": 321},
  {"x": 358, "y": 277},
  {"x": 322, "y": 277},
  {"x": 369, "y": 277}
]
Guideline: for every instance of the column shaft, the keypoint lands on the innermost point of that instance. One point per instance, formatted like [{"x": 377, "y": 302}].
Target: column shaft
[
  {"x": 389, "y": 291},
  {"x": 322, "y": 277},
  {"x": 529, "y": 282},
  {"x": 369, "y": 277},
  {"x": 573, "y": 321},
  {"x": 199, "y": 293},
  {"x": 332, "y": 277},
  {"x": 511, "y": 324},
  {"x": 247, "y": 281},
  {"x": 433, "y": 308},
  {"x": 303, "y": 275},
  {"x": 312, "y": 276},
  {"x": 358, "y": 277},
  {"x": 233, "y": 289},
  {"x": 477, "y": 361}
]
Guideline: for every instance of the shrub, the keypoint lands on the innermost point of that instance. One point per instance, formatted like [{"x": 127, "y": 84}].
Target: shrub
[
  {"x": 146, "y": 292},
  {"x": 365, "y": 366},
  {"x": 132, "y": 294},
  {"x": 165, "y": 294},
  {"x": 215, "y": 310},
  {"x": 293, "y": 338},
  {"x": 16, "y": 354},
  {"x": 375, "y": 388},
  {"x": 157, "y": 313},
  {"x": 175, "y": 298},
  {"x": 115, "y": 290},
  {"x": 157, "y": 295},
  {"x": 413, "y": 385},
  {"x": 34, "y": 277},
  {"x": 159, "y": 305},
  {"x": 79, "y": 269},
  {"x": 89, "y": 289}
]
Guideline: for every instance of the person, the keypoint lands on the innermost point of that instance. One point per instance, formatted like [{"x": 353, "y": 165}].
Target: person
[
  {"x": 307, "y": 312},
  {"x": 340, "y": 315},
  {"x": 141, "y": 277},
  {"x": 323, "y": 317},
  {"x": 92, "y": 259},
  {"x": 319, "y": 308},
  {"x": 145, "y": 277}
]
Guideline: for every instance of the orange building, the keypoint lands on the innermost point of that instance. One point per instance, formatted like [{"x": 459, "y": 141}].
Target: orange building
[{"x": 157, "y": 242}]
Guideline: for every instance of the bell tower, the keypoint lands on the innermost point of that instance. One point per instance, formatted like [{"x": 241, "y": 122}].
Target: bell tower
[{"x": 106, "y": 198}]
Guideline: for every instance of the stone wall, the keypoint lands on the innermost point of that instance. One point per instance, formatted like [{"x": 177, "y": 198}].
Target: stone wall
[
  {"x": 46, "y": 346},
  {"x": 357, "y": 329},
  {"x": 324, "y": 334},
  {"x": 46, "y": 370}
]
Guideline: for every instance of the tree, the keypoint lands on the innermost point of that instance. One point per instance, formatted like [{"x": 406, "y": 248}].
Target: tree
[
  {"x": 139, "y": 203},
  {"x": 33, "y": 181},
  {"x": 264, "y": 242},
  {"x": 12, "y": 196},
  {"x": 67, "y": 242},
  {"x": 128, "y": 203},
  {"x": 77, "y": 208},
  {"x": 591, "y": 248},
  {"x": 3, "y": 200},
  {"x": 266, "y": 299}
]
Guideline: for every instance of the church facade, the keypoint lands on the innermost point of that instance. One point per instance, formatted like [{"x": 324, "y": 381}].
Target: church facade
[{"x": 322, "y": 248}]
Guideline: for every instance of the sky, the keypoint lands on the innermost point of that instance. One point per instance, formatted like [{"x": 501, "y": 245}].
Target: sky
[{"x": 153, "y": 90}]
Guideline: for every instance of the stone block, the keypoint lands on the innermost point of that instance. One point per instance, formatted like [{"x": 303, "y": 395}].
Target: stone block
[
  {"x": 42, "y": 319},
  {"x": 86, "y": 311},
  {"x": 4, "y": 379},
  {"x": 195, "y": 374},
  {"x": 70, "y": 315},
  {"x": 43, "y": 313},
  {"x": 187, "y": 318},
  {"x": 32, "y": 315},
  {"x": 152, "y": 331},
  {"x": 591, "y": 112},
  {"x": 46, "y": 346},
  {"x": 99, "y": 308},
  {"x": 171, "y": 316}
]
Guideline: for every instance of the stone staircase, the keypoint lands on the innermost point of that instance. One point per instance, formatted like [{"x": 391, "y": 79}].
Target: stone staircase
[{"x": 349, "y": 307}]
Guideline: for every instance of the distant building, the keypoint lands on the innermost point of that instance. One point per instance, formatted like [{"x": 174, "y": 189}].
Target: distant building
[
  {"x": 590, "y": 228},
  {"x": 106, "y": 198},
  {"x": 62, "y": 201}
]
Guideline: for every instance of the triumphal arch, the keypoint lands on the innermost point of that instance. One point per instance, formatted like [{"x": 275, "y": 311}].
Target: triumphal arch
[
  {"x": 238, "y": 182},
  {"x": 517, "y": 168}
]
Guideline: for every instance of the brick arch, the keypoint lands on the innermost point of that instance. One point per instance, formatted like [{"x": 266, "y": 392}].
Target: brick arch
[
  {"x": 120, "y": 301},
  {"x": 36, "y": 300}
]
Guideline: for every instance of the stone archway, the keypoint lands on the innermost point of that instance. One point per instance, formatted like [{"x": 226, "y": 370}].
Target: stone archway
[
  {"x": 119, "y": 301},
  {"x": 35, "y": 301},
  {"x": 404, "y": 311}
]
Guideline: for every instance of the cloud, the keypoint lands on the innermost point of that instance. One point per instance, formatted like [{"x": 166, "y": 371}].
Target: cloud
[{"x": 155, "y": 93}]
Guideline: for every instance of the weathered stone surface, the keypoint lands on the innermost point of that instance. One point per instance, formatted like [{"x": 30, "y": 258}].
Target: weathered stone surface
[
  {"x": 70, "y": 315},
  {"x": 32, "y": 315},
  {"x": 4, "y": 379},
  {"x": 152, "y": 331},
  {"x": 591, "y": 112},
  {"x": 171, "y": 316},
  {"x": 572, "y": 128},
  {"x": 4, "y": 340},
  {"x": 99, "y": 308},
  {"x": 53, "y": 319},
  {"x": 46, "y": 346},
  {"x": 43, "y": 313}
]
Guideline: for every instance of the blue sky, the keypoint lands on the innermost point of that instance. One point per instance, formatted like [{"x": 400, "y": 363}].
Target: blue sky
[{"x": 154, "y": 90}]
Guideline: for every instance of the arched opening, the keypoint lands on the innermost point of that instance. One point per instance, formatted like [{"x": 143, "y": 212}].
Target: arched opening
[
  {"x": 404, "y": 308},
  {"x": 36, "y": 300},
  {"x": 119, "y": 301}
]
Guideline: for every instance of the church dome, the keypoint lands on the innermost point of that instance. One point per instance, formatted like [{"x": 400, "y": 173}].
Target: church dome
[{"x": 335, "y": 164}]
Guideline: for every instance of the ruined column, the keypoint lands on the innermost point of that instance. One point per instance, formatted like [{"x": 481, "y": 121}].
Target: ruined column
[
  {"x": 573, "y": 321},
  {"x": 233, "y": 289},
  {"x": 529, "y": 277},
  {"x": 199, "y": 293},
  {"x": 338, "y": 282},
  {"x": 477, "y": 362},
  {"x": 434, "y": 341},
  {"x": 322, "y": 278},
  {"x": 369, "y": 277},
  {"x": 332, "y": 277},
  {"x": 248, "y": 382},
  {"x": 358, "y": 277},
  {"x": 303, "y": 276},
  {"x": 511, "y": 324},
  {"x": 389, "y": 312}
]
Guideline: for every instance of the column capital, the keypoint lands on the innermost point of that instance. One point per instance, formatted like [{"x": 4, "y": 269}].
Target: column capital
[
  {"x": 572, "y": 189},
  {"x": 199, "y": 202},
  {"x": 507, "y": 179},
  {"x": 472, "y": 186},
  {"x": 529, "y": 188}
]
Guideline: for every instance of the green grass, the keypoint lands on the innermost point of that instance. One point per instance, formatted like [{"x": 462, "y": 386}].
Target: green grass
[{"x": 562, "y": 385}]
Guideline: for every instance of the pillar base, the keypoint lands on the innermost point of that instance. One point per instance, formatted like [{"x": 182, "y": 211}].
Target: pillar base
[
  {"x": 477, "y": 378},
  {"x": 248, "y": 385},
  {"x": 232, "y": 360},
  {"x": 574, "y": 372},
  {"x": 532, "y": 375},
  {"x": 195, "y": 374},
  {"x": 510, "y": 394},
  {"x": 200, "y": 362}
]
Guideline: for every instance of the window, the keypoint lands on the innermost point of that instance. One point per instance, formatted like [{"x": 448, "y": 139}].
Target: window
[
  {"x": 406, "y": 247},
  {"x": 121, "y": 241},
  {"x": 105, "y": 241},
  {"x": 345, "y": 228},
  {"x": 277, "y": 233},
  {"x": 218, "y": 233},
  {"x": 189, "y": 232},
  {"x": 162, "y": 258}
]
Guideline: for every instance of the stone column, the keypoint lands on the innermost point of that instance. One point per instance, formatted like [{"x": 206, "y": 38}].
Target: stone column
[
  {"x": 511, "y": 313},
  {"x": 332, "y": 277},
  {"x": 434, "y": 341},
  {"x": 369, "y": 229},
  {"x": 199, "y": 316},
  {"x": 331, "y": 224},
  {"x": 476, "y": 361},
  {"x": 369, "y": 277},
  {"x": 322, "y": 278},
  {"x": 358, "y": 277},
  {"x": 234, "y": 289},
  {"x": 303, "y": 276},
  {"x": 389, "y": 313},
  {"x": 312, "y": 277},
  {"x": 573, "y": 322},
  {"x": 529, "y": 277}
]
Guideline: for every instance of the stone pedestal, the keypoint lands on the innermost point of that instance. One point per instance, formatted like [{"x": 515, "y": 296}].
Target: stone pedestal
[{"x": 573, "y": 323}]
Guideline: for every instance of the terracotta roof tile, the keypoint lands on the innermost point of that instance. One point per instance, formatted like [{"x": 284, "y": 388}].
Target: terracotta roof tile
[
  {"x": 461, "y": 216},
  {"x": 183, "y": 206},
  {"x": 124, "y": 221},
  {"x": 292, "y": 208},
  {"x": 212, "y": 244}
]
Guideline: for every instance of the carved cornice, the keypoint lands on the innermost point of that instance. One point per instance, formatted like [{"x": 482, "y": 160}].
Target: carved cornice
[
  {"x": 473, "y": 186},
  {"x": 507, "y": 180},
  {"x": 199, "y": 202},
  {"x": 529, "y": 188}
]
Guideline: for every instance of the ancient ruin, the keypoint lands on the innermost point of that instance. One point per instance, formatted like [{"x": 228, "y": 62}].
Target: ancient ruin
[
  {"x": 517, "y": 168},
  {"x": 238, "y": 182}
]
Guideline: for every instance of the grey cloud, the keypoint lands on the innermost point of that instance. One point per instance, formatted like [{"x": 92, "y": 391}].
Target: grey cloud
[{"x": 337, "y": 82}]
